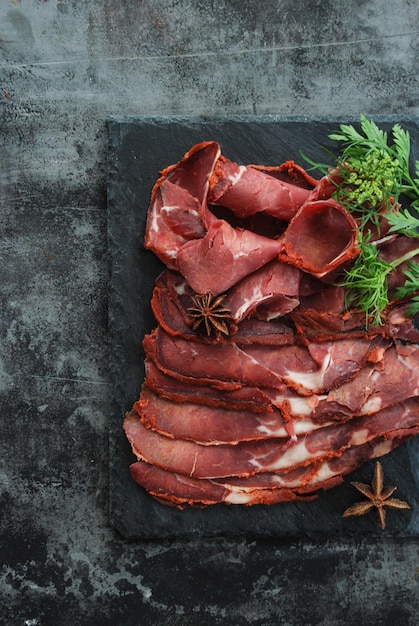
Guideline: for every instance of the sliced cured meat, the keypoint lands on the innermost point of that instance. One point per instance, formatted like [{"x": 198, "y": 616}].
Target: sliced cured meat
[
  {"x": 166, "y": 306},
  {"x": 299, "y": 392},
  {"x": 224, "y": 256},
  {"x": 395, "y": 379},
  {"x": 180, "y": 490},
  {"x": 267, "y": 293},
  {"x": 268, "y": 488},
  {"x": 172, "y": 297},
  {"x": 248, "y": 398},
  {"x": 323, "y": 316},
  {"x": 399, "y": 325},
  {"x": 326, "y": 300},
  {"x": 248, "y": 190},
  {"x": 315, "y": 325},
  {"x": 177, "y": 211},
  {"x": 291, "y": 173},
  {"x": 212, "y": 425},
  {"x": 392, "y": 378},
  {"x": 194, "y": 169},
  {"x": 272, "y": 455},
  {"x": 319, "y": 474},
  {"x": 320, "y": 238},
  {"x": 192, "y": 459},
  {"x": 313, "y": 369},
  {"x": 221, "y": 365},
  {"x": 272, "y": 333}
]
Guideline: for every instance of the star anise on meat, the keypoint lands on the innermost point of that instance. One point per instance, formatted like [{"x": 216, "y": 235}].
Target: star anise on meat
[
  {"x": 210, "y": 314},
  {"x": 378, "y": 497}
]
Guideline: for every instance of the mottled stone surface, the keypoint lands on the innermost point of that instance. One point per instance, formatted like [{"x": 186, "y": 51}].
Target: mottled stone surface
[{"x": 64, "y": 68}]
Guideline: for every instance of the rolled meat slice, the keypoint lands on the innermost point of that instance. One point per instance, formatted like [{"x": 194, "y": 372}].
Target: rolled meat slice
[{"x": 320, "y": 238}]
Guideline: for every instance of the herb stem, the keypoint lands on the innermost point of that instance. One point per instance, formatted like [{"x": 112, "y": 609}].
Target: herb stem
[
  {"x": 406, "y": 257},
  {"x": 380, "y": 242}
]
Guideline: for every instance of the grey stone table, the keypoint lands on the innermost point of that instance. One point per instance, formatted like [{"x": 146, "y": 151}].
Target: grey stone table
[{"x": 65, "y": 68}]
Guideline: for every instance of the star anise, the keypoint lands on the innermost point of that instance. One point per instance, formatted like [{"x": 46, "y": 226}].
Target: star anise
[
  {"x": 210, "y": 314},
  {"x": 378, "y": 498}
]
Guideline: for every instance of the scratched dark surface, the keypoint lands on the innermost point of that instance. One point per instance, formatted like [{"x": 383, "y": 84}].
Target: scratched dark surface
[
  {"x": 138, "y": 150},
  {"x": 65, "y": 68}
]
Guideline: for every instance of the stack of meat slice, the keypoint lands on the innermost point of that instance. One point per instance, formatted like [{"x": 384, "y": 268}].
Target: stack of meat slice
[{"x": 267, "y": 391}]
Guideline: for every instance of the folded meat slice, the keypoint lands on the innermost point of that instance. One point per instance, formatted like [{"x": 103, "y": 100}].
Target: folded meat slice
[
  {"x": 167, "y": 308},
  {"x": 247, "y": 190},
  {"x": 320, "y": 238},
  {"x": 394, "y": 379},
  {"x": 316, "y": 368},
  {"x": 248, "y": 398},
  {"x": 268, "y": 488},
  {"x": 399, "y": 325},
  {"x": 172, "y": 298},
  {"x": 255, "y": 331},
  {"x": 178, "y": 211},
  {"x": 314, "y": 324},
  {"x": 213, "y": 425},
  {"x": 267, "y": 293},
  {"x": 220, "y": 365},
  {"x": 272, "y": 455},
  {"x": 180, "y": 490},
  {"x": 225, "y": 255},
  {"x": 290, "y": 172}
]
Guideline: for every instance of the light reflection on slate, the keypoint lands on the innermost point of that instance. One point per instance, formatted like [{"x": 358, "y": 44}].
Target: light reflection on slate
[{"x": 138, "y": 149}]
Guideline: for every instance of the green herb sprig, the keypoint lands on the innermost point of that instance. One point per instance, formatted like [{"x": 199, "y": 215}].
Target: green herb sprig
[
  {"x": 372, "y": 173},
  {"x": 410, "y": 288},
  {"x": 367, "y": 287},
  {"x": 381, "y": 166},
  {"x": 404, "y": 223},
  {"x": 366, "y": 284}
]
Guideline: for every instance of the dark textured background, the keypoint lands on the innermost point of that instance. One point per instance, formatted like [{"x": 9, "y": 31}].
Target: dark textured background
[{"x": 64, "y": 68}]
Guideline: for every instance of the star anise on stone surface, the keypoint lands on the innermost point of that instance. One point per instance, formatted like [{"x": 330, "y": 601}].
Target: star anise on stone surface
[
  {"x": 378, "y": 496},
  {"x": 210, "y": 315}
]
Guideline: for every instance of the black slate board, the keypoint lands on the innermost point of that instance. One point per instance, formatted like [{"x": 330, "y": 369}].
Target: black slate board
[{"x": 138, "y": 149}]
